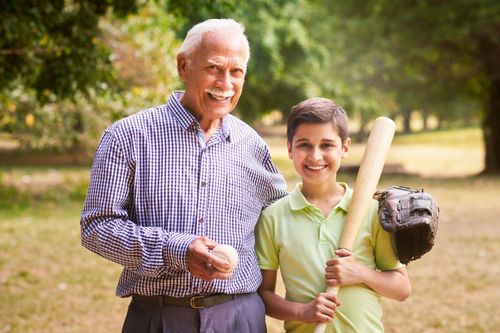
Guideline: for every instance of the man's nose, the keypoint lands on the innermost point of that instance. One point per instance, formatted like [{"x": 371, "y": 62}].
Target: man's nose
[{"x": 224, "y": 81}]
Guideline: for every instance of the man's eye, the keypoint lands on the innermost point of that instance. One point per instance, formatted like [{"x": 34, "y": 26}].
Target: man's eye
[{"x": 238, "y": 71}]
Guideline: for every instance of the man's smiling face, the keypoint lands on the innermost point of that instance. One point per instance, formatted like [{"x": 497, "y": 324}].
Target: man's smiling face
[{"x": 213, "y": 75}]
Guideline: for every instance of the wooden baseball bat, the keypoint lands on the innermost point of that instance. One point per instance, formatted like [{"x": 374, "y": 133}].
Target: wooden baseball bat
[{"x": 367, "y": 179}]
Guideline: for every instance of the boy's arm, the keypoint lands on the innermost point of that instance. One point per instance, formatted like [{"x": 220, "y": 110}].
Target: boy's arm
[
  {"x": 321, "y": 309},
  {"x": 345, "y": 270}
]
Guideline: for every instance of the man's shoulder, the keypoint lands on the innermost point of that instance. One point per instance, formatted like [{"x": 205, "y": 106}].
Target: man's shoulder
[
  {"x": 140, "y": 120},
  {"x": 240, "y": 129}
]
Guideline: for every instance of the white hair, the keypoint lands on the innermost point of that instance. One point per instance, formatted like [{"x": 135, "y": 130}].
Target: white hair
[{"x": 195, "y": 35}]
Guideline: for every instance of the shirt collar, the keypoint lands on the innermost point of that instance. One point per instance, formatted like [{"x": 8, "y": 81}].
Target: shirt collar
[
  {"x": 299, "y": 202},
  {"x": 186, "y": 119}
]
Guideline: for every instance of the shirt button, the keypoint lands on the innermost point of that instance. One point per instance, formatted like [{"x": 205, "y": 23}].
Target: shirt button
[
  {"x": 200, "y": 220},
  {"x": 203, "y": 184}
]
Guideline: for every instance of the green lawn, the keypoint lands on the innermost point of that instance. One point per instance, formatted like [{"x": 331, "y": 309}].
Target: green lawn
[
  {"x": 50, "y": 283},
  {"x": 451, "y": 153}
]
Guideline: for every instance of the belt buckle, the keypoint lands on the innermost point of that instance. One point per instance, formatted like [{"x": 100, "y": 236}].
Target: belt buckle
[{"x": 192, "y": 303}]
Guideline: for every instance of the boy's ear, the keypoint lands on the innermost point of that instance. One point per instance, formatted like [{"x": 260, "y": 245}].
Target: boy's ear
[
  {"x": 345, "y": 147},
  {"x": 289, "y": 148}
]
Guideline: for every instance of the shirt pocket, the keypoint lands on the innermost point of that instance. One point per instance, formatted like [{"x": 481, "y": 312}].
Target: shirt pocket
[{"x": 242, "y": 202}]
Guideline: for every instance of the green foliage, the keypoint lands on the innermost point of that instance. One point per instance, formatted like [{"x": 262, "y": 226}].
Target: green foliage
[
  {"x": 52, "y": 47},
  {"x": 423, "y": 56},
  {"x": 283, "y": 59},
  {"x": 190, "y": 12},
  {"x": 53, "y": 64},
  {"x": 62, "y": 66},
  {"x": 439, "y": 59},
  {"x": 140, "y": 74},
  {"x": 282, "y": 55}
]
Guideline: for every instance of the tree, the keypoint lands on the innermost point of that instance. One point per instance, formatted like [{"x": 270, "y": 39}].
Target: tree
[
  {"x": 56, "y": 52},
  {"x": 439, "y": 52},
  {"x": 52, "y": 46},
  {"x": 87, "y": 90},
  {"x": 51, "y": 59},
  {"x": 283, "y": 58}
]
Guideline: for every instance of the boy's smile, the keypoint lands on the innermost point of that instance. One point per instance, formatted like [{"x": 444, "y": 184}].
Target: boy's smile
[{"x": 316, "y": 152}]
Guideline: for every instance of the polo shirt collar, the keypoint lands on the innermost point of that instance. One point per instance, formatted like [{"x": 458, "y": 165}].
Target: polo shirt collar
[
  {"x": 299, "y": 202},
  {"x": 186, "y": 119}
]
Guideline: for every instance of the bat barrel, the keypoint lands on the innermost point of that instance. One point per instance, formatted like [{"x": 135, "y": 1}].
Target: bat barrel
[{"x": 370, "y": 170}]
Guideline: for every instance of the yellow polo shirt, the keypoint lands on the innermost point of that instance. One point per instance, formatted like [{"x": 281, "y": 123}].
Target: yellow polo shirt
[{"x": 293, "y": 235}]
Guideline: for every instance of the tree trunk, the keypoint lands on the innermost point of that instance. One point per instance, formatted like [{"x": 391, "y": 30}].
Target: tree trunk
[
  {"x": 490, "y": 59},
  {"x": 407, "y": 121},
  {"x": 440, "y": 121},
  {"x": 491, "y": 130},
  {"x": 361, "y": 134},
  {"x": 425, "y": 120}
]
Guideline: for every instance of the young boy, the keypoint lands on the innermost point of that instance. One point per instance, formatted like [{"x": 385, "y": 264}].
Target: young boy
[{"x": 299, "y": 233}]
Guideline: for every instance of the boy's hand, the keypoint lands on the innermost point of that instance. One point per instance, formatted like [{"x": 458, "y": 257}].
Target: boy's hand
[
  {"x": 344, "y": 269},
  {"x": 322, "y": 309}
]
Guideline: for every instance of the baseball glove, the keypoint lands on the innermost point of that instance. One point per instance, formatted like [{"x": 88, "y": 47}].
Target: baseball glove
[{"x": 411, "y": 215}]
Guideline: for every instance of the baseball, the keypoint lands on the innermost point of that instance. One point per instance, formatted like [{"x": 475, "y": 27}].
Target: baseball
[{"x": 228, "y": 253}]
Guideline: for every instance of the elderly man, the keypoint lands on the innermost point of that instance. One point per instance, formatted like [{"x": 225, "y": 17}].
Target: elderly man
[{"x": 170, "y": 183}]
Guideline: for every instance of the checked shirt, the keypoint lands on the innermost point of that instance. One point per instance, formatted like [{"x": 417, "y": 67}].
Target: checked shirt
[{"x": 156, "y": 185}]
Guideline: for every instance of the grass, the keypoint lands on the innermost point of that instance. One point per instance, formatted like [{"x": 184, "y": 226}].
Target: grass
[
  {"x": 468, "y": 137},
  {"x": 49, "y": 283},
  {"x": 450, "y": 153},
  {"x": 455, "y": 286}
]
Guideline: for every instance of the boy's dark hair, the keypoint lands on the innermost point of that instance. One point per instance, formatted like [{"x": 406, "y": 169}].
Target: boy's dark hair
[{"x": 318, "y": 110}]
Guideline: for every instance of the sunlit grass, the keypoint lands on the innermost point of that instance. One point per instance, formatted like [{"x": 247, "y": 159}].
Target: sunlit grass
[
  {"x": 465, "y": 137},
  {"x": 50, "y": 283},
  {"x": 450, "y": 153}
]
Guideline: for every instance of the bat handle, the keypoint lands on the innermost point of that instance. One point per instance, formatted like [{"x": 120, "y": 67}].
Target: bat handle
[{"x": 321, "y": 327}]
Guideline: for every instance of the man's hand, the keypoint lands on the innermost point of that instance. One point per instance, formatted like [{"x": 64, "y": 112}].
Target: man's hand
[
  {"x": 322, "y": 309},
  {"x": 200, "y": 260},
  {"x": 344, "y": 269}
]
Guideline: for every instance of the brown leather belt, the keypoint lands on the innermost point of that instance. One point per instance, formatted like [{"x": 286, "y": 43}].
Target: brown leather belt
[{"x": 195, "y": 302}]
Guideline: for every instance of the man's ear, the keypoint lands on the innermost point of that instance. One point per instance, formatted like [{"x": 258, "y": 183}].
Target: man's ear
[{"x": 182, "y": 65}]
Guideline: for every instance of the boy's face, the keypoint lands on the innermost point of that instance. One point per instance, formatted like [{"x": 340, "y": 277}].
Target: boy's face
[{"x": 316, "y": 152}]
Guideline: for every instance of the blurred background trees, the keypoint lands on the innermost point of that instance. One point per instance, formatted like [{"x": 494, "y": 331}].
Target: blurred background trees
[{"x": 69, "y": 68}]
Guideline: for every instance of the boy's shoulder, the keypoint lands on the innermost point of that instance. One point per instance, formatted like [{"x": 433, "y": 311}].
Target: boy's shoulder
[{"x": 278, "y": 206}]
